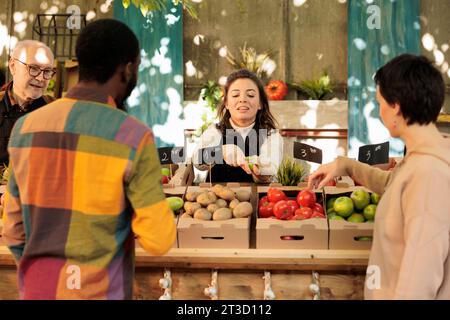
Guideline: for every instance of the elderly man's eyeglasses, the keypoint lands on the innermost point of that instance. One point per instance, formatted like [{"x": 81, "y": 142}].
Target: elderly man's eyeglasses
[{"x": 35, "y": 71}]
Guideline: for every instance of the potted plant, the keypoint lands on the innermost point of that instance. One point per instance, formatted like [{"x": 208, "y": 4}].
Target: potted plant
[
  {"x": 260, "y": 64},
  {"x": 315, "y": 89}
]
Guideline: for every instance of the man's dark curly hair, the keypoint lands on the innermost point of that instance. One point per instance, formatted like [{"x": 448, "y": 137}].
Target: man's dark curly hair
[{"x": 102, "y": 46}]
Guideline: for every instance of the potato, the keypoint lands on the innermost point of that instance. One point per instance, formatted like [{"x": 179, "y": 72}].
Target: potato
[
  {"x": 221, "y": 203},
  {"x": 185, "y": 215},
  {"x": 212, "y": 195},
  {"x": 243, "y": 210},
  {"x": 226, "y": 194},
  {"x": 233, "y": 204},
  {"x": 191, "y": 196},
  {"x": 217, "y": 189},
  {"x": 202, "y": 214},
  {"x": 212, "y": 207},
  {"x": 206, "y": 198},
  {"x": 191, "y": 207},
  {"x": 243, "y": 195},
  {"x": 222, "y": 214}
]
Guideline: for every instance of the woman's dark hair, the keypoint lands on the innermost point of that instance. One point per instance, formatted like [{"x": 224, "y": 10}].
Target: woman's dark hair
[
  {"x": 2, "y": 78},
  {"x": 264, "y": 119},
  {"x": 102, "y": 46},
  {"x": 413, "y": 83}
]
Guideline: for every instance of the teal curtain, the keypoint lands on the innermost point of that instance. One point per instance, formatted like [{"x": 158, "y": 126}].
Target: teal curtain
[
  {"x": 158, "y": 96},
  {"x": 378, "y": 30}
]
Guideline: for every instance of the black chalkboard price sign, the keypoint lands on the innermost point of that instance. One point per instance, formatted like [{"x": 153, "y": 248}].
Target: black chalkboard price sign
[
  {"x": 306, "y": 152},
  {"x": 171, "y": 155},
  {"x": 374, "y": 153}
]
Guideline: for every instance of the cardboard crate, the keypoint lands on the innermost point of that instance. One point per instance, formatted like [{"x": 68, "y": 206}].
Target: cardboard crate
[
  {"x": 272, "y": 233},
  {"x": 232, "y": 234},
  {"x": 181, "y": 175},
  {"x": 345, "y": 235}
]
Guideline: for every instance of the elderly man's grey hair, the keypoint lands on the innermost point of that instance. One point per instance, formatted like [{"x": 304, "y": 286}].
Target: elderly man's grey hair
[{"x": 21, "y": 45}]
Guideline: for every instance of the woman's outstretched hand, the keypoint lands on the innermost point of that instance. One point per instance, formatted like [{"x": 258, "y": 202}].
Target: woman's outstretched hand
[{"x": 324, "y": 174}]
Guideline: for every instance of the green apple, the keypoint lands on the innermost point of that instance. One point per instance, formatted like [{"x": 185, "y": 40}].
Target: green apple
[
  {"x": 335, "y": 217},
  {"x": 356, "y": 217},
  {"x": 361, "y": 198},
  {"x": 369, "y": 211},
  {"x": 375, "y": 198},
  {"x": 165, "y": 171},
  {"x": 343, "y": 206},
  {"x": 364, "y": 238},
  {"x": 175, "y": 203},
  {"x": 330, "y": 202},
  {"x": 331, "y": 211}
]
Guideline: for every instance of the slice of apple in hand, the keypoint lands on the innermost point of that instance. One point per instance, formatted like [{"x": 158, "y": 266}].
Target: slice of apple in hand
[{"x": 253, "y": 164}]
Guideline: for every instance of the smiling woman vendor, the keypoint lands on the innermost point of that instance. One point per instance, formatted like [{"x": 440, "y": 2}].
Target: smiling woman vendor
[{"x": 251, "y": 147}]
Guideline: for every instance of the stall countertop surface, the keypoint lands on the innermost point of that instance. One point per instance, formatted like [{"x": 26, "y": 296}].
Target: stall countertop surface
[{"x": 263, "y": 259}]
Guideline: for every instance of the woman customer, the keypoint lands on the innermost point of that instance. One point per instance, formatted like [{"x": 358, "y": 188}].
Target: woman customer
[
  {"x": 411, "y": 243},
  {"x": 249, "y": 147}
]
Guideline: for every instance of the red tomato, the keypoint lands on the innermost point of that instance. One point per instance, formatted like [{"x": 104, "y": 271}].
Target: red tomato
[
  {"x": 317, "y": 214},
  {"x": 263, "y": 200},
  {"x": 275, "y": 195},
  {"x": 331, "y": 183},
  {"x": 293, "y": 204},
  {"x": 306, "y": 198},
  {"x": 318, "y": 207},
  {"x": 282, "y": 210},
  {"x": 266, "y": 210},
  {"x": 303, "y": 213},
  {"x": 164, "y": 179}
]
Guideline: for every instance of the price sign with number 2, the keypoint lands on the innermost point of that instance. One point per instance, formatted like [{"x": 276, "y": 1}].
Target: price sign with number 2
[{"x": 171, "y": 155}]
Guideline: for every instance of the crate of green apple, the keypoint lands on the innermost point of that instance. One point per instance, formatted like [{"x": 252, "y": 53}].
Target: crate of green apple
[
  {"x": 291, "y": 218},
  {"x": 351, "y": 212}
]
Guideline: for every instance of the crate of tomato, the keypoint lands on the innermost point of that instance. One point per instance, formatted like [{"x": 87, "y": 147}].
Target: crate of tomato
[{"x": 291, "y": 218}]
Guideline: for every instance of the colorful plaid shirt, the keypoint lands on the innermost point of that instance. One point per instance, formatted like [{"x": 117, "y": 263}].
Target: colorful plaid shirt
[{"x": 85, "y": 178}]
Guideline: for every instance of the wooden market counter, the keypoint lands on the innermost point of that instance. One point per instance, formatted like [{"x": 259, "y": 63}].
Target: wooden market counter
[{"x": 240, "y": 273}]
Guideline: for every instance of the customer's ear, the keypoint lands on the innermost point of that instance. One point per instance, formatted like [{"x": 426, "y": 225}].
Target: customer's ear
[
  {"x": 12, "y": 66},
  {"x": 397, "y": 109},
  {"x": 128, "y": 71}
]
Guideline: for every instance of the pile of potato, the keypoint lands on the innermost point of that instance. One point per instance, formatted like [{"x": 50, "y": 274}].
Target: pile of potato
[{"x": 220, "y": 203}]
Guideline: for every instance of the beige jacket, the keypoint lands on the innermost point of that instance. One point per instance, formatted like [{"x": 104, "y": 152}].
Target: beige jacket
[{"x": 411, "y": 248}]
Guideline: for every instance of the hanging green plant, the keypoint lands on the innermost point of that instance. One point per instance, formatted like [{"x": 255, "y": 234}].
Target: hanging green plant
[{"x": 157, "y": 5}]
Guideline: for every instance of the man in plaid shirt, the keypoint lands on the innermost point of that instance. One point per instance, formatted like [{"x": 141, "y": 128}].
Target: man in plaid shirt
[{"x": 85, "y": 179}]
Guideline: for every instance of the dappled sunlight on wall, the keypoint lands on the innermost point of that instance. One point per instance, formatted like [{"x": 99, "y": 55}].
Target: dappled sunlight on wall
[
  {"x": 377, "y": 32},
  {"x": 158, "y": 97},
  {"x": 430, "y": 45}
]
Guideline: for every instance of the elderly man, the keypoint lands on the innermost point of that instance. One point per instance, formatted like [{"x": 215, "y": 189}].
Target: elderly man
[{"x": 31, "y": 66}]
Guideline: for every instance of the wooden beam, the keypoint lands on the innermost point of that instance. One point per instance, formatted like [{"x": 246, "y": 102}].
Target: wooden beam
[{"x": 261, "y": 259}]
